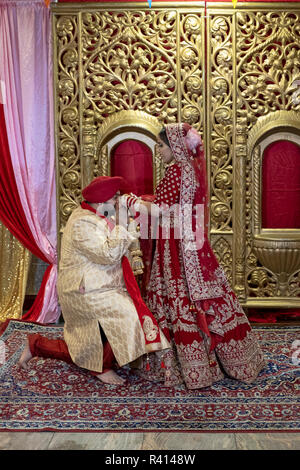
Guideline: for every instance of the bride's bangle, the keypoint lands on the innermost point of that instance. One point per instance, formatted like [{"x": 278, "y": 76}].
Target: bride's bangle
[{"x": 131, "y": 201}]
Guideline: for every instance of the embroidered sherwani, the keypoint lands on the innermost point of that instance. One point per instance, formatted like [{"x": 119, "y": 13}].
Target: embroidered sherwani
[{"x": 92, "y": 291}]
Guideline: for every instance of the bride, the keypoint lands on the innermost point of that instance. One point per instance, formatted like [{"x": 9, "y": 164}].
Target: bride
[{"x": 188, "y": 292}]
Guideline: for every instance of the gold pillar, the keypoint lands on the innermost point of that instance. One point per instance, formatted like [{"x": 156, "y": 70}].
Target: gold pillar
[{"x": 14, "y": 270}]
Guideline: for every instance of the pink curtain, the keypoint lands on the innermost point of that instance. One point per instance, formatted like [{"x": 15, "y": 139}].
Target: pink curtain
[{"x": 26, "y": 69}]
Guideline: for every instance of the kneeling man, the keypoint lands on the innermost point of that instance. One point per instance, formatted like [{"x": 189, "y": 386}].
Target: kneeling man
[{"x": 106, "y": 320}]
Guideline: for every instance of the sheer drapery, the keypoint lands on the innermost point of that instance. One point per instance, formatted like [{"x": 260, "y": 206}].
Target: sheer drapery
[
  {"x": 26, "y": 69},
  {"x": 14, "y": 256},
  {"x": 13, "y": 217}
]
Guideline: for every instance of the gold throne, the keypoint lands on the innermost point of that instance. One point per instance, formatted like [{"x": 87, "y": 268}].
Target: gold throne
[{"x": 277, "y": 249}]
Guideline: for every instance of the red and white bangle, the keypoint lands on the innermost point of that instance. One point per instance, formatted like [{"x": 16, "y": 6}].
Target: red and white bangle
[{"x": 133, "y": 201}]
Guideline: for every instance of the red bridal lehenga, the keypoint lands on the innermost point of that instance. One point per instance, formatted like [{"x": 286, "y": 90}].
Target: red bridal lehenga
[{"x": 188, "y": 292}]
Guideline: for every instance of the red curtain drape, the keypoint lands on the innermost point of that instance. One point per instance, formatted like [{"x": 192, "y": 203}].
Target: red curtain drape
[
  {"x": 12, "y": 215},
  {"x": 281, "y": 185},
  {"x": 132, "y": 159}
]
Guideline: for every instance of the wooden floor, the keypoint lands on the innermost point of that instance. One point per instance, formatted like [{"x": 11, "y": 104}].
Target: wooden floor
[{"x": 148, "y": 441}]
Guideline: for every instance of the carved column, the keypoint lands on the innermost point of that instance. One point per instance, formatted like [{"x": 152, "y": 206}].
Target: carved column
[
  {"x": 89, "y": 156},
  {"x": 104, "y": 161},
  {"x": 240, "y": 219},
  {"x": 256, "y": 169}
]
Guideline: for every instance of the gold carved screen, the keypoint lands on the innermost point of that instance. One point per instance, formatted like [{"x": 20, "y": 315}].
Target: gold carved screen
[
  {"x": 222, "y": 69},
  {"x": 253, "y": 63},
  {"x": 113, "y": 58}
]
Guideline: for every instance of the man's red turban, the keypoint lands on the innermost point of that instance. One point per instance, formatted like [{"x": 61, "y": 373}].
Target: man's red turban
[{"x": 103, "y": 188}]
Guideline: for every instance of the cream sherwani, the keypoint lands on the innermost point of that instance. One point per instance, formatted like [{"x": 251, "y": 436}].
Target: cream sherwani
[{"x": 92, "y": 291}]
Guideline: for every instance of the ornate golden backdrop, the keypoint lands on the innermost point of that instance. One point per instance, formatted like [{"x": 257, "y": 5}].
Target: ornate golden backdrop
[
  {"x": 253, "y": 61},
  {"x": 122, "y": 67},
  {"x": 115, "y": 58}
]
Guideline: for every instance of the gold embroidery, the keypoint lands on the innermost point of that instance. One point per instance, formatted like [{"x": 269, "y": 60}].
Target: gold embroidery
[{"x": 149, "y": 329}]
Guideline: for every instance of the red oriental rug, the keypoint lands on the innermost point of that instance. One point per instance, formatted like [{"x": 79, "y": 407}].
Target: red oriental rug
[{"x": 54, "y": 396}]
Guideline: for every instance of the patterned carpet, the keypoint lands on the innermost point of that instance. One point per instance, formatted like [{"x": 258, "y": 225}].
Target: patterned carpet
[{"x": 54, "y": 396}]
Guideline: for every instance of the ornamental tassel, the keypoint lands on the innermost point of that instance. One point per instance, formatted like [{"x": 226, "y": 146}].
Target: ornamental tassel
[
  {"x": 136, "y": 261},
  {"x": 147, "y": 363},
  {"x": 137, "y": 264},
  {"x": 162, "y": 364}
]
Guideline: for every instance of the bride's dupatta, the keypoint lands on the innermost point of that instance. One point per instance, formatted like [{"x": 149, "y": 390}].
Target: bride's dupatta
[{"x": 201, "y": 268}]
